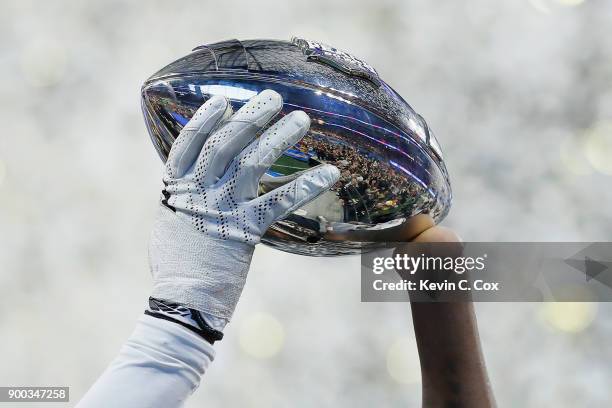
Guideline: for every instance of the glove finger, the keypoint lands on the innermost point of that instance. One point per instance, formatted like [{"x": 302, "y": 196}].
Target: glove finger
[
  {"x": 277, "y": 204},
  {"x": 231, "y": 138},
  {"x": 276, "y": 140},
  {"x": 253, "y": 161},
  {"x": 189, "y": 142}
]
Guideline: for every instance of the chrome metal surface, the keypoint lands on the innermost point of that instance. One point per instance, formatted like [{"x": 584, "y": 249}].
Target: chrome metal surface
[{"x": 393, "y": 179}]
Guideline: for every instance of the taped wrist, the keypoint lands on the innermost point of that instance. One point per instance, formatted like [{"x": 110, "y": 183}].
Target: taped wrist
[
  {"x": 186, "y": 317},
  {"x": 195, "y": 270}
]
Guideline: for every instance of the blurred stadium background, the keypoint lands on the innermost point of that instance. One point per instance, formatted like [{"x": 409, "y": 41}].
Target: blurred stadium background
[{"x": 519, "y": 93}]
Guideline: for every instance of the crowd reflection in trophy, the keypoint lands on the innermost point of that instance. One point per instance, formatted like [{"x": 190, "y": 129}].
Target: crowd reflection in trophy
[{"x": 371, "y": 190}]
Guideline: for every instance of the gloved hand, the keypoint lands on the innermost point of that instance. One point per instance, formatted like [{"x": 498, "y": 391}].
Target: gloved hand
[{"x": 211, "y": 217}]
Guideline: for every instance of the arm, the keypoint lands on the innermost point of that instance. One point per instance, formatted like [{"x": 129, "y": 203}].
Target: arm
[
  {"x": 210, "y": 219},
  {"x": 159, "y": 366},
  {"x": 452, "y": 365},
  {"x": 453, "y": 370}
]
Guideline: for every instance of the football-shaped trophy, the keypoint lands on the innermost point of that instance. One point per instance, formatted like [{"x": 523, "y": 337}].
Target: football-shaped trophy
[{"x": 393, "y": 179}]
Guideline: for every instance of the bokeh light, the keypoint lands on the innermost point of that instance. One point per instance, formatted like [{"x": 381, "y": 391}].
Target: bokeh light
[
  {"x": 43, "y": 63},
  {"x": 402, "y": 361},
  {"x": 569, "y": 317},
  {"x": 261, "y": 335},
  {"x": 573, "y": 158},
  {"x": 598, "y": 147}
]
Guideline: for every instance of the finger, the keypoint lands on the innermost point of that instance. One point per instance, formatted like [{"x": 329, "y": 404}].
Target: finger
[
  {"x": 443, "y": 242},
  {"x": 189, "y": 142},
  {"x": 227, "y": 142},
  {"x": 268, "y": 183},
  {"x": 277, "y": 204},
  {"x": 438, "y": 234},
  {"x": 284, "y": 134},
  {"x": 253, "y": 161}
]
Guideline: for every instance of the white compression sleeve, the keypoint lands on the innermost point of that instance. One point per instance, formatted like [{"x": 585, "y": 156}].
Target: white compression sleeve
[{"x": 159, "y": 366}]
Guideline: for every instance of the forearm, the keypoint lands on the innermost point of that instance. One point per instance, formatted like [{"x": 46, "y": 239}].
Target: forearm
[
  {"x": 452, "y": 365},
  {"x": 159, "y": 366}
]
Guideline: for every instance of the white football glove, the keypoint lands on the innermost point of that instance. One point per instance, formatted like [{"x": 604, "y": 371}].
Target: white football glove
[{"x": 211, "y": 217}]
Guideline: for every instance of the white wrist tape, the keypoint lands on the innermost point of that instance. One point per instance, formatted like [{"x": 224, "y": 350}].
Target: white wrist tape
[{"x": 201, "y": 273}]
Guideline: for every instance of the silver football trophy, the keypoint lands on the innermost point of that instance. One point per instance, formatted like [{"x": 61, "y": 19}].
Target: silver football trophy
[{"x": 393, "y": 177}]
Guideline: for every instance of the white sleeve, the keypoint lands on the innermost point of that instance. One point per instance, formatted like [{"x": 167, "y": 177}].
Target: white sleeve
[{"x": 159, "y": 366}]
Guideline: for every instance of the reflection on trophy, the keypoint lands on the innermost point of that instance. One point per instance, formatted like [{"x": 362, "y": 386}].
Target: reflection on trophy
[{"x": 393, "y": 177}]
